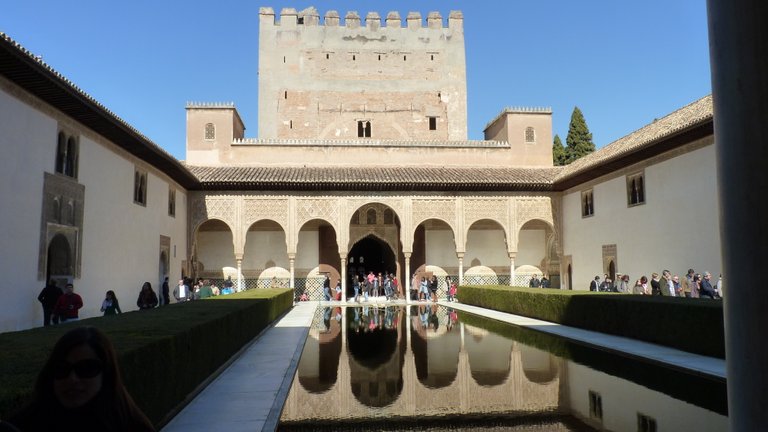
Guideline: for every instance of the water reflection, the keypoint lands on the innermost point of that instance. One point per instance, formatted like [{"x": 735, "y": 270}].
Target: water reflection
[{"x": 368, "y": 364}]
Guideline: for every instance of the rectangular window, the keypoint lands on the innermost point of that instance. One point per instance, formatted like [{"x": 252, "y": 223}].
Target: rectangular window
[
  {"x": 171, "y": 202},
  {"x": 139, "y": 187},
  {"x": 595, "y": 406},
  {"x": 645, "y": 423},
  {"x": 587, "y": 203},
  {"x": 433, "y": 123},
  {"x": 635, "y": 189},
  {"x": 363, "y": 129},
  {"x": 530, "y": 135}
]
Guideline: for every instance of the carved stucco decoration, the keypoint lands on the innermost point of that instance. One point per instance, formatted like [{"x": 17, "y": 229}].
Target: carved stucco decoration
[
  {"x": 441, "y": 209},
  {"x": 256, "y": 209},
  {"x": 534, "y": 208},
  {"x": 214, "y": 207},
  {"x": 326, "y": 209},
  {"x": 541, "y": 208},
  {"x": 493, "y": 209}
]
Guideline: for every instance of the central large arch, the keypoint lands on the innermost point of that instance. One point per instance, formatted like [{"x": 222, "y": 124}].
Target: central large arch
[{"x": 374, "y": 236}]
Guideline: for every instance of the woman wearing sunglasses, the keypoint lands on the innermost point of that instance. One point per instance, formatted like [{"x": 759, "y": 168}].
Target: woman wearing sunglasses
[{"x": 80, "y": 389}]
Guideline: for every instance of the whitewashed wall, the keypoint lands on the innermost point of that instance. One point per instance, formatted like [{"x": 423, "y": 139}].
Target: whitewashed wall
[
  {"x": 622, "y": 403},
  {"x": 486, "y": 246},
  {"x": 676, "y": 229},
  {"x": 121, "y": 240},
  {"x": 28, "y": 142},
  {"x": 262, "y": 247}
]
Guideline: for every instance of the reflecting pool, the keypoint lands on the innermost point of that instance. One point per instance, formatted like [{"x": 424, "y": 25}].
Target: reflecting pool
[{"x": 430, "y": 367}]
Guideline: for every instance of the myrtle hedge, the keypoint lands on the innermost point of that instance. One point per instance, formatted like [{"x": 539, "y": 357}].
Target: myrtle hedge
[
  {"x": 164, "y": 353},
  {"x": 692, "y": 325}
]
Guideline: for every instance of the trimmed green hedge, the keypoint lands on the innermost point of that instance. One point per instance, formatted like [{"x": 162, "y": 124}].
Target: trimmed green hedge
[
  {"x": 164, "y": 353},
  {"x": 693, "y": 325}
]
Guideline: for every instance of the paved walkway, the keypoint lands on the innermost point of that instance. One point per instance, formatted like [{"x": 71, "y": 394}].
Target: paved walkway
[{"x": 250, "y": 393}]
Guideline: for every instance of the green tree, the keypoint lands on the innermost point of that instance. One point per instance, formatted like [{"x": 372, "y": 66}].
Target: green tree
[
  {"x": 558, "y": 152},
  {"x": 579, "y": 139}
]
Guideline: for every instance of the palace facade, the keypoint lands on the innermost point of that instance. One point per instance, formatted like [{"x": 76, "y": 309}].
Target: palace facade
[{"x": 361, "y": 164}]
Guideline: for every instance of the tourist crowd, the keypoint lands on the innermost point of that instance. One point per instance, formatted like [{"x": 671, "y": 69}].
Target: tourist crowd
[
  {"x": 61, "y": 306},
  {"x": 692, "y": 285}
]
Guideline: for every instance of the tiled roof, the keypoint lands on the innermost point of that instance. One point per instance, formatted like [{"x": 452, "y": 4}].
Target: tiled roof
[
  {"x": 394, "y": 178},
  {"x": 690, "y": 116}
]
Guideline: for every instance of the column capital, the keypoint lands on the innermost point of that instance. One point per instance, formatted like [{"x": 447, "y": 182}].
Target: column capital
[
  {"x": 291, "y": 256},
  {"x": 239, "y": 257},
  {"x": 512, "y": 255},
  {"x": 460, "y": 255},
  {"x": 407, "y": 255}
]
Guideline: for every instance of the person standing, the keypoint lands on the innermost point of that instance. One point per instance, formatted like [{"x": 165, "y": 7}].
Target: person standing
[
  {"x": 165, "y": 295},
  {"x": 206, "y": 290},
  {"x": 655, "y": 285},
  {"x": 147, "y": 297},
  {"x": 68, "y": 305},
  {"x": 687, "y": 284},
  {"x": 593, "y": 286},
  {"x": 110, "y": 305},
  {"x": 181, "y": 292},
  {"x": 433, "y": 288},
  {"x": 327, "y": 288},
  {"x": 48, "y": 297},
  {"x": 534, "y": 282},
  {"x": 666, "y": 287},
  {"x": 706, "y": 289}
]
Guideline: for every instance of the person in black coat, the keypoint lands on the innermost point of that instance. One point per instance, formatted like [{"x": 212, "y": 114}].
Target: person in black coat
[
  {"x": 48, "y": 297},
  {"x": 706, "y": 288}
]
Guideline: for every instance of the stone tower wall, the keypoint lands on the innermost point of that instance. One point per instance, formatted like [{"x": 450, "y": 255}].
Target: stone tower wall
[{"x": 318, "y": 81}]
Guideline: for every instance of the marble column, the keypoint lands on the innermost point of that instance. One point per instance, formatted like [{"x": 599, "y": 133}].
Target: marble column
[
  {"x": 240, "y": 274},
  {"x": 738, "y": 31},
  {"x": 460, "y": 255},
  {"x": 407, "y": 277},
  {"x": 291, "y": 265},
  {"x": 512, "y": 256},
  {"x": 343, "y": 277}
]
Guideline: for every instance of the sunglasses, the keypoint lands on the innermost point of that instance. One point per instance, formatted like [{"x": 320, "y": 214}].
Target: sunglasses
[{"x": 88, "y": 368}]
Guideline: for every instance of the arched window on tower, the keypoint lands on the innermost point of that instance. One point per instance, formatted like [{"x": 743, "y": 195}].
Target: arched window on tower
[
  {"x": 210, "y": 131},
  {"x": 370, "y": 217}
]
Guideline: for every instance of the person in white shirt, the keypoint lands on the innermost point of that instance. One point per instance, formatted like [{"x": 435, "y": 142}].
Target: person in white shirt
[{"x": 181, "y": 292}]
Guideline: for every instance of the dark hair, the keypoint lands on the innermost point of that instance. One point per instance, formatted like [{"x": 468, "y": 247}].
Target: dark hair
[
  {"x": 112, "y": 405},
  {"x": 146, "y": 285}
]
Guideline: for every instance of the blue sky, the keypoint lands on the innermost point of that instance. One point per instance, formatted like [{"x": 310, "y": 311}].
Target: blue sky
[{"x": 623, "y": 63}]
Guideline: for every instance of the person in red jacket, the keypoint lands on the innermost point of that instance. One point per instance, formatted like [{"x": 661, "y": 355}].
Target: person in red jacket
[{"x": 68, "y": 304}]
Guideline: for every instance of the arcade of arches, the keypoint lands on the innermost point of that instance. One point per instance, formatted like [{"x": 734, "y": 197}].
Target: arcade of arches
[{"x": 492, "y": 239}]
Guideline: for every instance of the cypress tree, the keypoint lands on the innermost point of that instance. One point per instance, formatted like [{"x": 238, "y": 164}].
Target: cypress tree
[
  {"x": 558, "y": 152},
  {"x": 579, "y": 139}
]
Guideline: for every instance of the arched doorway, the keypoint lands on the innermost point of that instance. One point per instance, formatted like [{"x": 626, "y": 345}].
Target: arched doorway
[
  {"x": 486, "y": 259},
  {"x": 612, "y": 270},
  {"x": 161, "y": 275},
  {"x": 374, "y": 236},
  {"x": 59, "y": 261},
  {"x": 370, "y": 254},
  {"x": 570, "y": 277}
]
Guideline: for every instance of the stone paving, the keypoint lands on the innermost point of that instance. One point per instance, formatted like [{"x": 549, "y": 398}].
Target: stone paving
[{"x": 249, "y": 394}]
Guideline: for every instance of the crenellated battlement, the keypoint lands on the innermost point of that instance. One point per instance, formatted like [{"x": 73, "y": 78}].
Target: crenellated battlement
[
  {"x": 210, "y": 104},
  {"x": 290, "y": 17}
]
